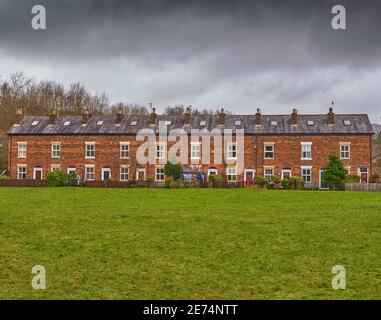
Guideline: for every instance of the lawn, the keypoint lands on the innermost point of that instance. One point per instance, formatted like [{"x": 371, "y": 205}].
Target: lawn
[{"x": 189, "y": 243}]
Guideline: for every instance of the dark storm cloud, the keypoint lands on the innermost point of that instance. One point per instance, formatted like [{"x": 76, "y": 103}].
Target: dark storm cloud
[{"x": 240, "y": 53}]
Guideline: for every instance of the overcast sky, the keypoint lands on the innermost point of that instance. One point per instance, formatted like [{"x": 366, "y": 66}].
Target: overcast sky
[{"x": 238, "y": 54}]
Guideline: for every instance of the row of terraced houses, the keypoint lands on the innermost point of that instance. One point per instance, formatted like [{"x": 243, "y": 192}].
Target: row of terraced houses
[{"x": 105, "y": 147}]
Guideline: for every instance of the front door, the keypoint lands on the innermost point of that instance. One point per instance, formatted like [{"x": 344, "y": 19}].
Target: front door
[
  {"x": 364, "y": 175},
  {"x": 321, "y": 180},
  {"x": 286, "y": 174},
  {"x": 249, "y": 177},
  {"x": 106, "y": 174},
  {"x": 37, "y": 173},
  {"x": 141, "y": 175}
]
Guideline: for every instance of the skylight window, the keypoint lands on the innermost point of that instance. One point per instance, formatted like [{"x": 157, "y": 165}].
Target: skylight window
[
  {"x": 202, "y": 123},
  {"x": 99, "y": 123},
  {"x": 35, "y": 123},
  {"x": 274, "y": 123},
  {"x": 237, "y": 123},
  {"x": 347, "y": 122},
  {"x": 310, "y": 122},
  {"x": 66, "y": 123},
  {"x": 133, "y": 123},
  {"x": 168, "y": 123}
]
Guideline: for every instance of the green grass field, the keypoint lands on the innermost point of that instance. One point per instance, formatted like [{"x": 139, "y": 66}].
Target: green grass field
[{"x": 189, "y": 243}]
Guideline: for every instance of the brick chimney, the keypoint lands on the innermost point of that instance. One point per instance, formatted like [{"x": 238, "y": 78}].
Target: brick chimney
[
  {"x": 119, "y": 116},
  {"x": 19, "y": 115},
  {"x": 53, "y": 117},
  {"x": 85, "y": 117},
  {"x": 294, "y": 117},
  {"x": 152, "y": 116},
  {"x": 187, "y": 115},
  {"x": 331, "y": 117},
  {"x": 221, "y": 118},
  {"x": 258, "y": 117}
]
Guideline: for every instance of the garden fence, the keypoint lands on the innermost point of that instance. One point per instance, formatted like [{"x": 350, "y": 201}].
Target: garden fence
[{"x": 363, "y": 187}]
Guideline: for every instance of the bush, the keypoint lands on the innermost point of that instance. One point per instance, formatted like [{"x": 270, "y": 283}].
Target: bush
[
  {"x": 375, "y": 178},
  {"x": 276, "y": 179},
  {"x": 59, "y": 178},
  {"x": 173, "y": 170},
  {"x": 259, "y": 180},
  {"x": 335, "y": 173},
  {"x": 216, "y": 180},
  {"x": 4, "y": 178},
  {"x": 286, "y": 184},
  {"x": 294, "y": 183},
  {"x": 352, "y": 178}
]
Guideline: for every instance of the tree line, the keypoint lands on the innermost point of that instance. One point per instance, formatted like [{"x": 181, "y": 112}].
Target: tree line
[{"x": 18, "y": 91}]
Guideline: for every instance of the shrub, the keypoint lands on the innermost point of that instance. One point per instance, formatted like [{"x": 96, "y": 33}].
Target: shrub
[
  {"x": 173, "y": 170},
  {"x": 276, "y": 179},
  {"x": 260, "y": 180},
  {"x": 168, "y": 182},
  {"x": 59, "y": 178},
  {"x": 334, "y": 173},
  {"x": 375, "y": 178},
  {"x": 352, "y": 178},
  {"x": 4, "y": 178},
  {"x": 295, "y": 183},
  {"x": 286, "y": 184},
  {"x": 216, "y": 180}
]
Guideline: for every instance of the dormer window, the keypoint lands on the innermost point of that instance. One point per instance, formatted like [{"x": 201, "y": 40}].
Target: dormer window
[
  {"x": 67, "y": 123},
  {"x": 134, "y": 123},
  {"x": 202, "y": 123},
  {"x": 274, "y": 123},
  {"x": 100, "y": 122},
  {"x": 347, "y": 122},
  {"x": 310, "y": 122},
  {"x": 237, "y": 123},
  {"x": 35, "y": 123}
]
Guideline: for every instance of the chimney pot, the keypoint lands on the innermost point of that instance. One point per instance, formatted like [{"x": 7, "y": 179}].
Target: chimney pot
[
  {"x": 153, "y": 115},
  {"x": 19, "y": 115},
  {"x": 53, "y": 117},
  {"x": 258, "y": 117},
  {"x": 187, "y": 115},
  {"x": 221, "y": 119},
  {"x": 85, "y": 117},
  {"x": 294, "y": 117},
  {"x": 331, "y": 116},
  {"x": 119, "y": 116}
]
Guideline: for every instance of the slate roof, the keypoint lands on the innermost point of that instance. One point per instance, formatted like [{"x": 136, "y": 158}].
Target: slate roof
[{"x": 359, "y": 124}]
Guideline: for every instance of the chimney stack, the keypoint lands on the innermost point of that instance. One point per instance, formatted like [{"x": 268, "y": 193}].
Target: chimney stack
[
  {"x": 119, "y": 116},
  {"x": 85, "y": 117},
  {"x": 294, "y": 117},
  {"x": 53, "y": 117},
  {"x": 187, "y": 115},
  {"x": 221, "y": 119},
  {"x": 152, "y": 118},
  {"x": 331, "y": 117},
  {"x": 258, "y": 117},
  {"x": 19, "y": 115}
]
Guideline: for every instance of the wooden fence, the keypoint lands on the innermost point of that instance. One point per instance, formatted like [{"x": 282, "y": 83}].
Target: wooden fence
[{"x": 363, "y": 187}]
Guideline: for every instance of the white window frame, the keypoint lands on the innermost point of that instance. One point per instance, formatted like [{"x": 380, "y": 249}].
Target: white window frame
[
  {"x": 160, "y": 151},
  {"x": 196, "y": 154},
  {"x": 35, "y": 170},
  {"x": 231, "y": 149},
  {"x": 22, "y": 152},
  {"x": 345, "y": 152},
  {"x": 93, "y": 173},
  {"x": 231, "y": 174},
  {"x": 122, "y": 152},
  {"x": 306, "y": 144},
  {"x": 269, "y": 144},
  {"x": 87, "y": 144},
  {"x": 71, "y": 169},
  {"x": 159, "y": 174},
  {"x": 302, "y": 168},
  {"x": 21, "y": 166},
  {"x": 106, "y": 170},
  {"x": 210, "y": 170},
  {"x": 284, "y": 171},
  {"x": 268, "y": 176},
  {"x": 123, "y": 174},
  {"x": 55, "y": 167},
  {"x": 55, "y": 144}
]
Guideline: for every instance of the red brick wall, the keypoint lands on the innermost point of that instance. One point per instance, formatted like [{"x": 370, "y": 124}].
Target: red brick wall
[{"x": 107, "y": 152}]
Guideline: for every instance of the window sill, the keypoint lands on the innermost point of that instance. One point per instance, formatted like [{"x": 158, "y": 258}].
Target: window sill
[
  {"x": 89, "y": 157},
  {"x": 306, "y": 159}
]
